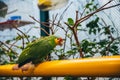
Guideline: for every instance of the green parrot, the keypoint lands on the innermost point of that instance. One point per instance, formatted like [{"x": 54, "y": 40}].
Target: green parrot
[{"x": 35, "y": 52}]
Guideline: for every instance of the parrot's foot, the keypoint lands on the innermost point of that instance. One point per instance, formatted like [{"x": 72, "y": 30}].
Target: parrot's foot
[
  {"x": 15, "y": 67},
  {"x": 24, "y": 67}
]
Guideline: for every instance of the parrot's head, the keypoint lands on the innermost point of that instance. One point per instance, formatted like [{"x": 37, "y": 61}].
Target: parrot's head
[{"x": 59, "y": 41}]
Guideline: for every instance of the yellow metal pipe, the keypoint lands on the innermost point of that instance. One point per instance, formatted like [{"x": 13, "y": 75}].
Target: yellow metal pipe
[{"x": 99, "y": 67}]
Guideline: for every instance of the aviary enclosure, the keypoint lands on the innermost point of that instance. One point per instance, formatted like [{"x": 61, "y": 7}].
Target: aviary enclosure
[{"x": 89, "y": 28}]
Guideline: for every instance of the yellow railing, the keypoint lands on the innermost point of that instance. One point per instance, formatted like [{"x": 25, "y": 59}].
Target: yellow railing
[{"x": 102, "y": 66}]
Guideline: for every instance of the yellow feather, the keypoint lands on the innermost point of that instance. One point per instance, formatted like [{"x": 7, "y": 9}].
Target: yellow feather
[
  {"x": 51, "y": 4},
  {"x": 44, "y": 2}
]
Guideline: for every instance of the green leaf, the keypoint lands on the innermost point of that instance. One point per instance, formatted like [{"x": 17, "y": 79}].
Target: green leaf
[
  {"x": 94, "y": 7},
  {"x": 103, "y": 43},
  {"x": 8, "y": 41},
  {"x": 2, "y": 52},
  {"x": 86, "y": 56},
  {"x": 96, "y": 20},
  {"x": 18, "y": 38},
  {"x": 94, "y": 31},
  {"x": 93, "y": 26},
  {"x": 88, "y": 5},
  {"x": 71, "y": 52},
  {"x": 99, "y": 29},
  {"x": 70, "y": 21}
]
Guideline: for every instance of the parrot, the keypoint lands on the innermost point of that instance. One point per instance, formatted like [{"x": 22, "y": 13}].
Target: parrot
[
  {"x": 46, "y": 5},
  {"x": 36, "y": 51}
]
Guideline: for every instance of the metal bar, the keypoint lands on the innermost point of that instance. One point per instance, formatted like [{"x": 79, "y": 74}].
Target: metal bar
[
  {"x": 44, "y": 17},
  {"x": 100, "y": 67}
]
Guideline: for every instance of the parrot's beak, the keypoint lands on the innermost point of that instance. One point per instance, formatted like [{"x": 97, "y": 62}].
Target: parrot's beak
[{"x": 59, "y": 41}]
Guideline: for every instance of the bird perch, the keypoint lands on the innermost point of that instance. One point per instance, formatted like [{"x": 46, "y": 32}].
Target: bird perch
[{"x": 101, "y": 67}]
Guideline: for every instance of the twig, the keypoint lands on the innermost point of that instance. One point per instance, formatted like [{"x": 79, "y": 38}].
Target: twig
[
  {"x": 98, "y": 10},
  {"x": 73, "y": 28},
  {"x": 52, "y": 24},
  {"x": 76, "y": 39},
  {"x": 43, "y": 23},
  {"x": 11, "y": 45},
  {"x": 45, "y": 31},
  {"x": 7, "y": 47},
  {"x": 78, "y": 43},
  {"x": 109, "y": 7},
  {"x": 15, "y": 26},
  {"x": 22, "y": 40},
  {"x": 75, "y": 25},
  {"x": 83, "y": 12},
  {"x": 111, "y": 37},
  {"x": 105, "y": 4},
  {"x": 68, "y": 25},
  {"x": 12, "y": 11},
  {"x": 64, "y": 12}
]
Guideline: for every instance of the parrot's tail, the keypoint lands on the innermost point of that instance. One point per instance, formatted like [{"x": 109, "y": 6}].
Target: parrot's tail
[{"x": 23, "y": 63}]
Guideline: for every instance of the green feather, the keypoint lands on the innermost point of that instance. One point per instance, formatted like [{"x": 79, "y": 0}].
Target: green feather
[{"x": 37, "y": 50}]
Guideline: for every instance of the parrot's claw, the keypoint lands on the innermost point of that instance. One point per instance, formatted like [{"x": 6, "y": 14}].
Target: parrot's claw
[
  {"x": 24, "y": 67},
  {"x": 15, "y": 67}
]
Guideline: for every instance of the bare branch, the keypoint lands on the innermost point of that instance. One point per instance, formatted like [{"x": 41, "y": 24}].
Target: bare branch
[
  {"x": 43, "y": 23},
  {"x": 45, "y": 31},
  {"x": 15, "y": 26},
  {"x": 7, "y": 47},
  {"x": 98, "y": 10}
]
